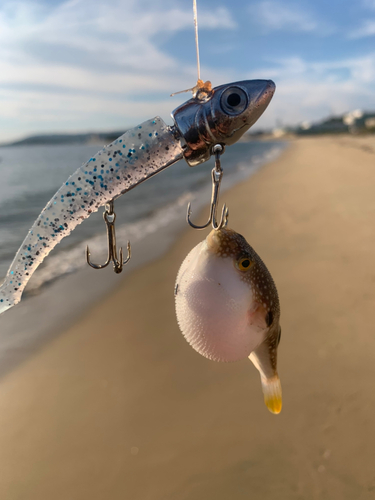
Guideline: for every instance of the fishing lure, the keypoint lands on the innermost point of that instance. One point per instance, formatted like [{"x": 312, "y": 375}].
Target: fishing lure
[
  {"x": 213, "y": 116},
  {"x": 228, "y": 308}
]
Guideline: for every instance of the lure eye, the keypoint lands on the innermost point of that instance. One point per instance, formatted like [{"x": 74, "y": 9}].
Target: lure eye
[
  {"x": 234, "y": 101},
  {"x": 244, "y": 264}
]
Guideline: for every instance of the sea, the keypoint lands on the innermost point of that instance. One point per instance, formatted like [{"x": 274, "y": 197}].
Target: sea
[{"x": 151, "y": 217}]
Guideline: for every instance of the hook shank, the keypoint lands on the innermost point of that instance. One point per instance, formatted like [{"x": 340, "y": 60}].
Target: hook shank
[
  {"x": 109, "y": 217},
  {"x": 216, "y": 175}
]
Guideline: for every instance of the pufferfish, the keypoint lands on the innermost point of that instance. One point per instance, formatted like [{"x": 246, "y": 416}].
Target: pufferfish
[{"x": 228, "y": 307}]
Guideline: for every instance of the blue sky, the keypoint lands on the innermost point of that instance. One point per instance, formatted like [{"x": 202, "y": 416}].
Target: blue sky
[{"x": 81, "y": 65}]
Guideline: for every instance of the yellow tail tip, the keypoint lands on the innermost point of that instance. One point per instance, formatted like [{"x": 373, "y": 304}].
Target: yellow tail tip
[
  {"x": 274, "y": 404},
  {"x": 272, "y": 394}
]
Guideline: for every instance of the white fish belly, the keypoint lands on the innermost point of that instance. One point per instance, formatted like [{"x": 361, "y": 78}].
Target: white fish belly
[{"x": 213, "y": 306}]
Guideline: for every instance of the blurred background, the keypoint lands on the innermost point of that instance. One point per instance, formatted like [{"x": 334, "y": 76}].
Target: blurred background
[{"x": 100, "y": 396}]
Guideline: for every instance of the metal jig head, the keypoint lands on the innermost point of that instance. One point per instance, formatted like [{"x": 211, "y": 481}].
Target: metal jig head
[
  {"x": 109, "y": 217},
  {"x": 217, "y": 174}
]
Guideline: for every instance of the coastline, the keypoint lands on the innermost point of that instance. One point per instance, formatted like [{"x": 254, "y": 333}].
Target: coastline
[{"x": 120, "y": 406}]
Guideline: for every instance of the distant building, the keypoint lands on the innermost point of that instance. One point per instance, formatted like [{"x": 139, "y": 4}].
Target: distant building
[
  {"x": 305, "y": 125},
  {"x": 279, "y": 132},
  {"x": 356, "y": 121},
  {"x": 333, "y": 125},
  {"x": 352, "y": 117},
  {"x": 370, "y": 123}
]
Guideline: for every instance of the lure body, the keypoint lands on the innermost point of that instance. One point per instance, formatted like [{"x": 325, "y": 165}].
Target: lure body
[
  {"x": 131, "y": 159},
  {"x": 228, "y": 308},
  {"x": 221, "y": 115}
]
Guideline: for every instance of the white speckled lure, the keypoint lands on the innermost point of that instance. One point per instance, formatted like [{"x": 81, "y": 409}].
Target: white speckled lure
[
  {"x": 228, "y": 308},
  {"x": 220, "y": 115}
]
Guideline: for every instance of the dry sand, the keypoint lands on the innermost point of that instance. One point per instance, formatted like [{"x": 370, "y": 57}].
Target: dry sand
[{"x": 120, "y": 407}]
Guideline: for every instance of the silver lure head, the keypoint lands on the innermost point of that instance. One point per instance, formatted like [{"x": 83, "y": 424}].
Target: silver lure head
[{"x": 220, "y": 116}]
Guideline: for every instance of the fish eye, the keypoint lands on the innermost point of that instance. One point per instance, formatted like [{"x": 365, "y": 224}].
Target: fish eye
[
  {"x": 269, "y": 318},
  {"x": 234, "y": 101},
  {"x": 244, "y": 264}
]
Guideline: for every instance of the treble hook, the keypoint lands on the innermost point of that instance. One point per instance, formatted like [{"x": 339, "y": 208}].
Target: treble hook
[
  {"x": 217, "y": 174},
  {"x": 109, "y": 217}
]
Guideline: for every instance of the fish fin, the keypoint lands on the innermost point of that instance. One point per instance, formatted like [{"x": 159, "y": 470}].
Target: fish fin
[
  {"x": 264, "y": 358},
  {"x": 272, "y": 393}
]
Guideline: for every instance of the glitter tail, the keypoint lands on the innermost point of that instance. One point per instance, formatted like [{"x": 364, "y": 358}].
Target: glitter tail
[
  {"x": 4, "y": 306},
  {"x": 131, "y": 159}
]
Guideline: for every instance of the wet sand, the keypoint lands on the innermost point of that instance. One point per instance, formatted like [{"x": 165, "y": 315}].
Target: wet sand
[{"x": 121, "y": 407}]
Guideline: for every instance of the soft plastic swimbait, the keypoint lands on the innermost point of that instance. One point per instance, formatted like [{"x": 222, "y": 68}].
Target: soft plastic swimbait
[{"x": 217, "y": 116}]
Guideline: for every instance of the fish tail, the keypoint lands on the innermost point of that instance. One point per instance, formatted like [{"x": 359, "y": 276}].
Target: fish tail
[{"x": 271, "y": 388}]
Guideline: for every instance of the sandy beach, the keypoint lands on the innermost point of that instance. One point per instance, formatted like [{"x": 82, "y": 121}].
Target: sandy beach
[{"x": 119, "y": 406}]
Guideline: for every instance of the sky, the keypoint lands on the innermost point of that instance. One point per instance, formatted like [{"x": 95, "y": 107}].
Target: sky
[{"x": 88, "y": 65}]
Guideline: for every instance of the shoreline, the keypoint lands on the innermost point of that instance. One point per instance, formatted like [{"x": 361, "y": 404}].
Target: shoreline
[{"x": 120, "y": 406}]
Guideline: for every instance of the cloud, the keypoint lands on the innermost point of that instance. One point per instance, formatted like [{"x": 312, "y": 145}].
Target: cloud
[
  {"x": 125, "y": 35},
  {"x": 368, "y": 26},
  {"x": 280, "y": 16},
  {"x": 370, "y": 4},
  {"x": 94, "y": 52},
  {"x": 367, "y": 29},
  {"x": 90, "y": 65},
  {"x": 314, "y": 89}
]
